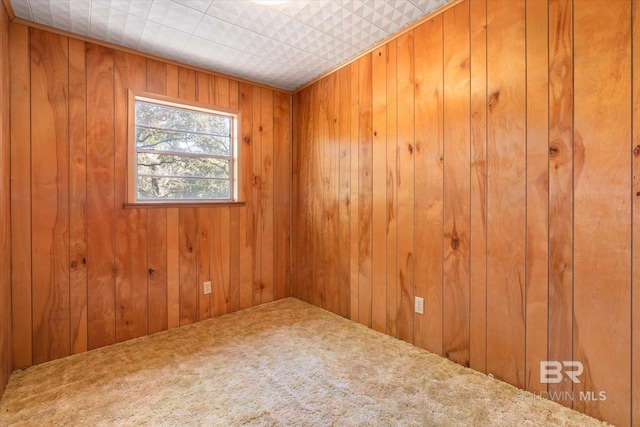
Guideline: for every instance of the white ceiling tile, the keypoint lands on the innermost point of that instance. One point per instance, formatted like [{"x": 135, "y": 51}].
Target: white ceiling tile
[
  {"x": 283, "y": 45},
  {"x": 22, "y": 9},
  {"x": 174, "y": 15},
  {"x": 199, "y": 5},
  {"x": 161, "y": 40}
]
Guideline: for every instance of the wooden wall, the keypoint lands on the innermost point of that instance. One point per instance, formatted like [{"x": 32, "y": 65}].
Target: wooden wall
[
  {"x": 487, "y": 161},
  {"x": 87, "y": 273},
  {"x": 5, "y": 226}
]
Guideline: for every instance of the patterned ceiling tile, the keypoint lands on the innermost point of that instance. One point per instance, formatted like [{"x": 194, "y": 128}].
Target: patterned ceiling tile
[
  {"x": 22, "y": 9},
  {"x": 199, "y": 5},
  {"x": 162, "y": 41},
  {"x": 138, "y": 7},
  {"x": 174, "y": 15},
  {"x": 282, "y": 45},
  {"x": 116, "y": 26}
]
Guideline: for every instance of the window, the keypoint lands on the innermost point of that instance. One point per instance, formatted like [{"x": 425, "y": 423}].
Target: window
[{"x": 181, "y": 152}]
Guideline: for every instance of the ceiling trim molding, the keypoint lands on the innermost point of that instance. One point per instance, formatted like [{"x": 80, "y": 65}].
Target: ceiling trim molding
[
  {"x": 392, "y": 37},
  {"x": 137, "y": 52},
  {"x": 9, "y": 8}
]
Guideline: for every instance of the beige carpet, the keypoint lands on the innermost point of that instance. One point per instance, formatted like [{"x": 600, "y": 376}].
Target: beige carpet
[{"x": 281, "y": 364}]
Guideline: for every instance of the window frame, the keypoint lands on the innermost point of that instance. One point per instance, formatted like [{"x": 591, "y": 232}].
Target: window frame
[{"x": 132, "y": 163}]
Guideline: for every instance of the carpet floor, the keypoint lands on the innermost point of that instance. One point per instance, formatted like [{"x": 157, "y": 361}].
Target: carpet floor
[{"x": 285, "y": 363}]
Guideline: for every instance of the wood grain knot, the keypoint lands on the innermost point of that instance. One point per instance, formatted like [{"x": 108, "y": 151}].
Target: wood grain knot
[
  {"x": 410, "y": 148},
  {"x": 151, "y": 270},
  {"x": 636, "y": 150},
  {"x": 84, "y": 261},
  {"x": 74, "y": 264},
  {"x": 247, "y": 140},
  {"x": 463, "y": 64},
  {"x": 493, "y": 100},
  {"x": 379, "y": 53},
  {"x": 260, "y": 128},
  {"x": 455, "y": 243},
  {"x": 638, "y": 193},
  {"x": 375, "y": 133},
  {"x": 553, "y": 151},
  {"x": 190, "y": 249}
]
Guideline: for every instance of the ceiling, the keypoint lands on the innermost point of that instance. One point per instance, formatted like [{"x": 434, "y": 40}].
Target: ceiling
[{"x": 282, "y": 45}]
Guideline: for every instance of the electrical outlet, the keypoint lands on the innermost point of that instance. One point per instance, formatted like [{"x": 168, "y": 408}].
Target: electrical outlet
[
  {"x": 207, "y": 288},
  {"x": 419, "y": 305}
]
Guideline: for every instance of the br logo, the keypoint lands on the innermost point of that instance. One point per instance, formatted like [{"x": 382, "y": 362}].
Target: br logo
[{"x": 553, "y": 372}]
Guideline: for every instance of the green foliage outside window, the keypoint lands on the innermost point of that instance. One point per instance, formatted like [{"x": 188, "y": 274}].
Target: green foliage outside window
[{"x": 182, "y": 154}]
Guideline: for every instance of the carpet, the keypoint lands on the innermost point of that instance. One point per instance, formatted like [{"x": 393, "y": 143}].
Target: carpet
[{"x": 285, "y": 363}]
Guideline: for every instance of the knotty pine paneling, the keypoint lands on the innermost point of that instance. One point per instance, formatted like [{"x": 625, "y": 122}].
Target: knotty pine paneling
[
  {"x": 429, "y": 176},
  {"x": 511, "y": 187},
  {"x": 5, "y": 208},
  {"x": 602, "y": 188},
  {"x": 537, "y": 295},
  {"x": 86, "y": 272}
]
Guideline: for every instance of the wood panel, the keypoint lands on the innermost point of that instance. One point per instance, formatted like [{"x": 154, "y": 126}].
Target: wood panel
[
  {"x": 21, "y": 264},
  {"x": 428, "y": 202},
  {"x": 379, "y": 201},
  {"x": 392, "y": 193},
  {"x": 236, "y": 218},
  {"x": 204, "y": 274},
  {"x": 406, "y": 186},
  {"x": 365, "y": 188},
  {"x": 245, "y": 291},
  {"x": 50, "y": 195},
  {"x": 282, "y": 195},
  {"x": 77, "y": 196},
  {"x": 561, "y": 189},
  {"x": 266, "y": 194},
  {"x": 257, "y": 218},
  {"x": 344, "y": 194},
  {"x": 301, "y": 222},
  {"x": 537, "y": 295},
  {"x": 602, "y": 186},
  {"x": 157, "y": 271},
  {"x": 457, "y": 191},
  {"x": 103, "y": 273},
  {"x": 188, "y": 250},
  {"x": 6, "y": 363},
  {"x": 355, "y": 204},
  {"x": 317, "y": 128},
  {"x": 330, "y": 164},
  {"x": 635, "y": 220},
  {"x": 478, "y": 243},
  {"x": 100, "y": 198},
  {"x": 130, "y": 224},
  {"x": 506, "y": 185}
]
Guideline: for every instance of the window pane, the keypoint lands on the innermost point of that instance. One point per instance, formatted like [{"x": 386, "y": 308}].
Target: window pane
[
  {"x": 154, "y": 188},
  {"x": 166, "y": 164},
  {"x": 166, "y": 140},
  {"x": 165, "y": 117}
]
